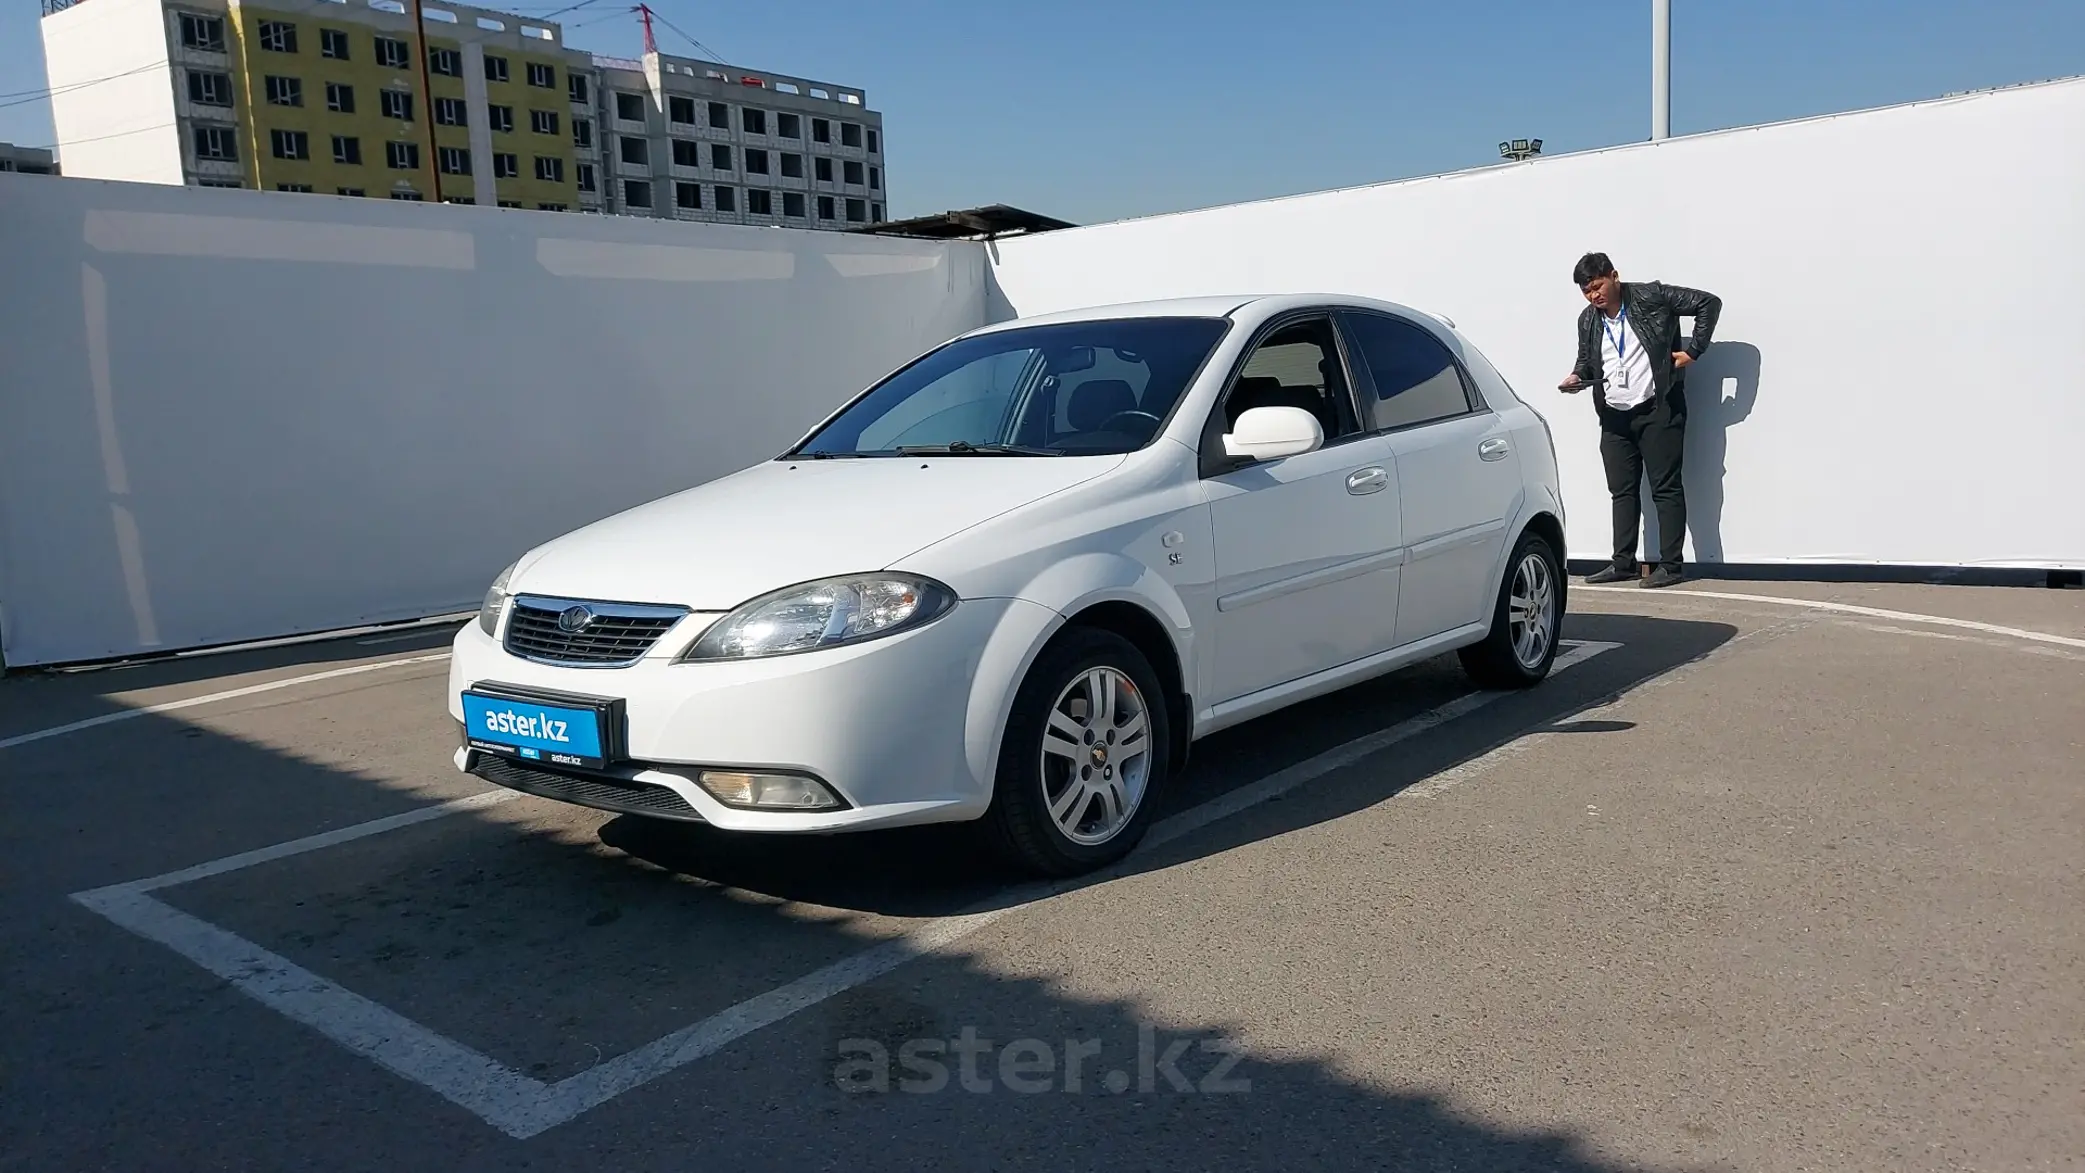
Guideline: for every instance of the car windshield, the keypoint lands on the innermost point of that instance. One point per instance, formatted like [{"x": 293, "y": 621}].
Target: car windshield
[{"x": 1069, "y": 389}]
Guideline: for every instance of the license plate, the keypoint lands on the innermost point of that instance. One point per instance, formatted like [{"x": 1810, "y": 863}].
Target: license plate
[{"x": 553, "y": 728}]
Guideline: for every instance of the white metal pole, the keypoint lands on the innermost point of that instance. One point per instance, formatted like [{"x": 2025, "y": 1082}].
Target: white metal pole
[{"x": 1661, "y": 69}]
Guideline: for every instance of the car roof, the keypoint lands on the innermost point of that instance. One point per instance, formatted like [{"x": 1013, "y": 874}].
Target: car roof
[
  {"x": 1260, "y": 305},
  {"x": 1175, "y": 307}
]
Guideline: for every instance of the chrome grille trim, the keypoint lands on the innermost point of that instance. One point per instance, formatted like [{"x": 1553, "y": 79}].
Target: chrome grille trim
[{"x": 620, "y": 634}]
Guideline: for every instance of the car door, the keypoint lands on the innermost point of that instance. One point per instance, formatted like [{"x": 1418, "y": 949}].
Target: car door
[
  {"x": 1459, "y": 478},
  {"x": 1305, "y": 547}
]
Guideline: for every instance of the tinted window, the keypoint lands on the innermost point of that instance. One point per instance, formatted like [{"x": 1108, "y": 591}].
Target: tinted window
[
  {"x": 1415, "y": 377},
  {"x": 1296, "y": 366},
  {"x": 1108, "y": 366},
  {"x": 1078, "y": 388}
]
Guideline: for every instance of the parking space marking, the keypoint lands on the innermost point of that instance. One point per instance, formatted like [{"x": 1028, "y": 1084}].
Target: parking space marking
[
  {"x": 1571, "y": 653},
  {"x": 247, "y": 859},
  {"x": 1848, "y": 609},
  {"x": 213, "y": 698},
  {"x": 523, "y": 1107},
  {"x": 631, "y": 1070},
  {"x": 1951, "y": 637},
  {"x": 500, "y": 1096},
  {"x": 1437, "y": 784}
]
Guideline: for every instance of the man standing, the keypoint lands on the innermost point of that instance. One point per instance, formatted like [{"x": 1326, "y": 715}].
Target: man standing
[{"x": 1629, "y": 347}]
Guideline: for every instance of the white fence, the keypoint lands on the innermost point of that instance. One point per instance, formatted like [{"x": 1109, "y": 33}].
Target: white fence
[
  {"x": 1899, "y": 373},
  {"x": 232, "y": 415},
  {"x": 237, "y": 415}
]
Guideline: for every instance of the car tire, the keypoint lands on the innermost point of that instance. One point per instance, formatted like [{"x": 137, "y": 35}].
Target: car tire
[
  {"x": 1523, "y": 640},
  {"x": 1053, "y": 794}
]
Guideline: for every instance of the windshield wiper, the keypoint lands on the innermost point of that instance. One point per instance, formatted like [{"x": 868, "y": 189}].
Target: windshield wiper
[
  {"x": 824, "y": 456},
  {"x": 966, "y": 448}
]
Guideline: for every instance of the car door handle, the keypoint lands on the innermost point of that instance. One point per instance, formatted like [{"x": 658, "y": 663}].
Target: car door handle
[
  {"x": 1493, "y": 449},
  {"x": 1368, "y": 480}
]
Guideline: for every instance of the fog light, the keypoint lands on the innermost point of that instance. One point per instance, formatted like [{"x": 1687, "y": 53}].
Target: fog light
[{"x": 767, "y": 791}]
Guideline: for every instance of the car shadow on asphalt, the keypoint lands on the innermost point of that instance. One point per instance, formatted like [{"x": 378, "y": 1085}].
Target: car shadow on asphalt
[
  {"x": 548, "y": 937},
  {"x": 943, "y": 871}
]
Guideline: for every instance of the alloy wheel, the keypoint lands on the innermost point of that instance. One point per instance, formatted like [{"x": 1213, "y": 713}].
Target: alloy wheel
[
  {"x": 1531, "y": 610},
  {"x": 1096, "y": 756}
]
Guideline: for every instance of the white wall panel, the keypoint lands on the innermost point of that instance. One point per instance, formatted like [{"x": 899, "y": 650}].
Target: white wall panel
[
  {"x": 232, "y": 415},
  {"x": 1899, "y": 375},
  {"x": 113, "y": 90},
  {"x": 229, "y": 415}
]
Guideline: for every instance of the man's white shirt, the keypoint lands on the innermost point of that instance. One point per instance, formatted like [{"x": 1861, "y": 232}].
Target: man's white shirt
[{"x": 1628, "y": 372}]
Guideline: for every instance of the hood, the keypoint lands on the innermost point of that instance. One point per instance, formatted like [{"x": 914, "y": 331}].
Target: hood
[{"x": 717, "y": 545}]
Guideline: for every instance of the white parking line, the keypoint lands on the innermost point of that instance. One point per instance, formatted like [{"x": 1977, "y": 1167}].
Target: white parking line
[
  {"x": 324, "y": 839},
  {"x": 1439, "y": 783},
  {"x": 472, "y": 1080},
  {"x": 523, "y": 1107},
  {"x": 1571, "y": 654},
  {"x": 1848, "y": 609},
  {"x": 213, "y": 698}
]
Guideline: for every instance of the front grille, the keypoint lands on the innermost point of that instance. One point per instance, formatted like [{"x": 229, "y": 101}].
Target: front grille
[
  {"x": 594, "y": 790},
  {"x": 614, "y": 634}
]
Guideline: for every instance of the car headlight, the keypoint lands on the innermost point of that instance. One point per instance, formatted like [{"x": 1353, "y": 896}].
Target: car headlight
[
  {"x": 823, "y": 614},
  {"x": 495, "y": 602}
]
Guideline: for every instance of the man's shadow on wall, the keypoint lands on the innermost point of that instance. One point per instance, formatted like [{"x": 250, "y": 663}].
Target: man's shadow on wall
[{"x": 1721, "y": 388}]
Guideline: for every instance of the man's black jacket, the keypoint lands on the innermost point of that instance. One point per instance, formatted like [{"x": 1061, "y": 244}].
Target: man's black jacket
[{"x": 1655, "y": 310}]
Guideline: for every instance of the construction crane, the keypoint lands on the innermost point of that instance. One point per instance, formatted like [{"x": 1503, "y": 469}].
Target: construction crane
[{"x": 651, "y": 44}]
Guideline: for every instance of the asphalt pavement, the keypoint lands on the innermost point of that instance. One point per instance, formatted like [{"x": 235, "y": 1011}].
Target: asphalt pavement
[{"x": 1767, "y": 876}]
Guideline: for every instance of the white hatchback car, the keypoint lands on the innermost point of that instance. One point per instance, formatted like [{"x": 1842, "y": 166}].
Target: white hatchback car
[{"x": 1014, "y": 580}]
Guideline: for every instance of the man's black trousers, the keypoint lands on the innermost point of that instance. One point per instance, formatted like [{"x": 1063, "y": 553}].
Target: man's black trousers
[{"x": 1650, "y": 437}]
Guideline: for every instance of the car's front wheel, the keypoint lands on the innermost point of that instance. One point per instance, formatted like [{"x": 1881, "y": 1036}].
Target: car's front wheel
[
  {"x": 1527, "y": 618},
  {"x": 1083, "y": 757}
]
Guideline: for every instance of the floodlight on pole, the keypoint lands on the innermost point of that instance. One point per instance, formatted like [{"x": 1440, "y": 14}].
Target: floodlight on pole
[
  {"x": 1520, "y": 148},
  {"x": 1661, "y": 69}
]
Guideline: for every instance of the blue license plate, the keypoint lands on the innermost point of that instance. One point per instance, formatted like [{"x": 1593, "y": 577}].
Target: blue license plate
[{"x": 552, "y": 729}]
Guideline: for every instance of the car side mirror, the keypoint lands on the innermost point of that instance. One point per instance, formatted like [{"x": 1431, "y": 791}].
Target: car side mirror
[{"x": 1271, "y": 433}]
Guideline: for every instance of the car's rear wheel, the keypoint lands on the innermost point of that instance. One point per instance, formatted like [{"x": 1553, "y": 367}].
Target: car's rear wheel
[
  {"x": 1084, "y": 756},
  {"x": 1526, "y": 620}
]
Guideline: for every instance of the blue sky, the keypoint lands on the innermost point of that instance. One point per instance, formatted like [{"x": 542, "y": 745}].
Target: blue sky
[{"x": 1090, "y": 111}]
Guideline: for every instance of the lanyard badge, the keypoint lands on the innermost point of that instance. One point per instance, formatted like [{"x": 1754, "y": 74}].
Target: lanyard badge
[{"x": 1620, "y": 339}]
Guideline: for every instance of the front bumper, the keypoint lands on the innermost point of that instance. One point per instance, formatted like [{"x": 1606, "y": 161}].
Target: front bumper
[{"x": 904, "y": 729}]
